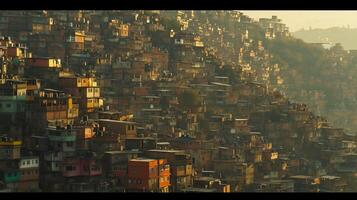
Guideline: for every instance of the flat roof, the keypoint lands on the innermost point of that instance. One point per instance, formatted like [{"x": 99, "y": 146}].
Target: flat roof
[
  {"x": 240, "y": 119},
  {"x": 140, "y": 138},
  {"x": 166, "y": 151},
  {"x": 154, "y": 97},
  {"x": 221, "y": 84},
  {"x": 116, "y": 121},
  {"x": 301, "y": 177},
  {"x": 38, "y": 136},
  {"x": 162, "y": 143},
  {"x": 330, "y": 177},
  {"x": 122, "y": 152},
  {"x": 52, "y": 90},
  {"x": 198, "y": 190},
  {"x": 205, "y": 178},
  {"x": 110, "y": 112},
  {"x": 142, "y": 159},
  {"x": 151, "y": 109},
  {"x": 23, "y": 157},
  {"x": 276, "y": 181}
]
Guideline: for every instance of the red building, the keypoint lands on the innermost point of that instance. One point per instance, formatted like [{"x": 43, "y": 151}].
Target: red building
[
  {"x": 150, "y": 175},
  {"x": 84, "y": 165}
]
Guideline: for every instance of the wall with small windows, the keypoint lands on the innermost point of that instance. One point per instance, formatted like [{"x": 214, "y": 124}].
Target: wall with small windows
[
  {"x": 11, "y": 106},
  {"x": 28, "y": 174},
  {"x": 31, "y": 162},
  {"x": 9, "y": 153}
]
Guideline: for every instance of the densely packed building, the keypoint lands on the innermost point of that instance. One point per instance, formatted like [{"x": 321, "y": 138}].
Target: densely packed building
[{"x": 156, "y": 101}]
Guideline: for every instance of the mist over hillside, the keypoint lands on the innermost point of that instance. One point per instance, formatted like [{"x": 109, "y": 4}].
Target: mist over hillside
[{"x": 345, "y": 36}]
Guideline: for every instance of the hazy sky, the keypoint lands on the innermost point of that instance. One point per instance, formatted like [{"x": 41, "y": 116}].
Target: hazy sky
[{"x": 296, "y": 20}]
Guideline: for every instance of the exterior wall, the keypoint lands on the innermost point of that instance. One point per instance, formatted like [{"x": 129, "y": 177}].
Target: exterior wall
[
  {"x": 90, "y": 92},
  {"x": 71, "y": 169},
  {"x": 9, "y": 152},
  {"x": 44, "y": 62},
  {"x": 124, "y": 30},
  {"x": 143, "y": 175},
  {"x": 119, "y": 127},
  {"x": 13, "y": 52},
  {"x": 29, "y": 163},
  {"x": 12, "y": 105},
  {"x": 81, "y": 167},
  {"x": 11, "y": 176},
  {"x": 29, "y": 174},
  {"x": 28, "y": 186},
  {"x": 79, "y": 38},
  {"x": 164, "y": 174}
]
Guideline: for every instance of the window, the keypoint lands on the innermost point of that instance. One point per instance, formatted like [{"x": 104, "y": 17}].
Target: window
[
  {"x": 129, "y": 180},
  {"x": 8, "y": 105},
  {"x": 86, "y": 168},
  {"x": 36, "y": 161},
  {"x": 28, "y": 162},
  {"x": 70, "y": 168}
]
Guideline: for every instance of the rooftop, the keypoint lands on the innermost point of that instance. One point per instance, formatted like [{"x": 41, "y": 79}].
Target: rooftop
[
  {"x": 330, "y": 177},
  {"x": 241, "y": 119},
  {"x": 300, "y": 177},
  {"x": 142, "y": 160},
  {"x": 116, "y": 121},
  {"x": 122, "y": 152},
  {"x": 163, "y": 143},
  {"x": 198, "y": 190},
  {"x": 205, "y": 178},
  {"x": 221, "y": 84},
  {"x": 166, "y": 151}
]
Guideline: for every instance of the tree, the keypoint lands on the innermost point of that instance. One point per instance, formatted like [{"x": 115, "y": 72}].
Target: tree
[{"x": 189, "y": 100}]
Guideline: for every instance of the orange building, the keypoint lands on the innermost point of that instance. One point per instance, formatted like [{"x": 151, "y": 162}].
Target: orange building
[
  {"x": 150, "y": 175},
  {"x": 85, "y": 91}
]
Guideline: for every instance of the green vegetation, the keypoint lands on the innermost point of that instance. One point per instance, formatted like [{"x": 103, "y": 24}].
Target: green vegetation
[{"x": 189, "y": 100}]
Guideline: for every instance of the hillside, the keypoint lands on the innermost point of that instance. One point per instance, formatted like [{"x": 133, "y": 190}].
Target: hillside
[{"x": 345, "y": 36}]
